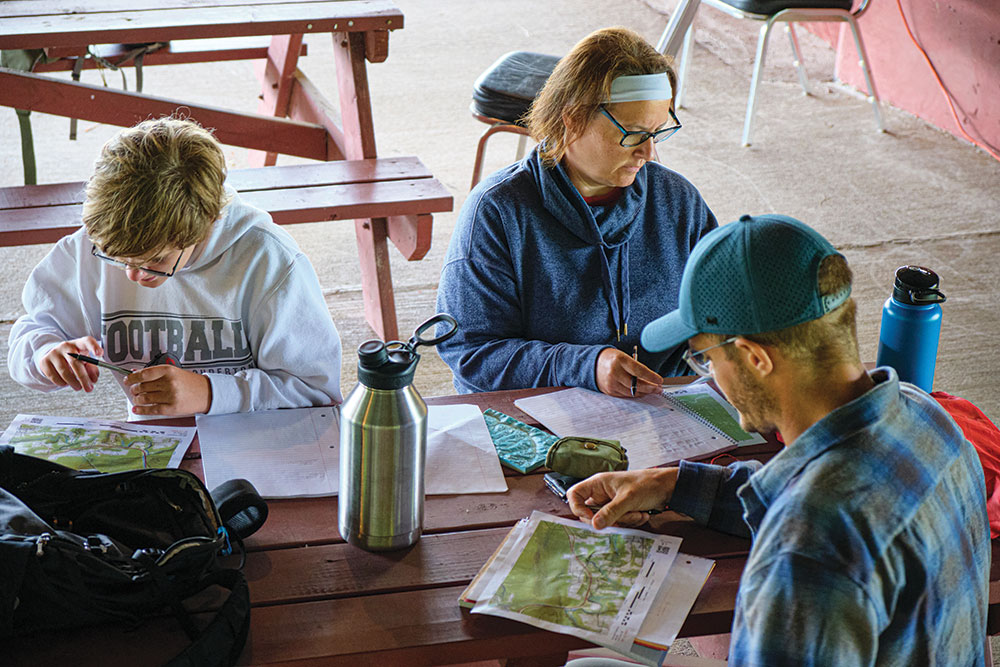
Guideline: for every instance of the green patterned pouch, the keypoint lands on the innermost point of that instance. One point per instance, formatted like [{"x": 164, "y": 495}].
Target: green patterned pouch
[{"x": 518, "y": 445}]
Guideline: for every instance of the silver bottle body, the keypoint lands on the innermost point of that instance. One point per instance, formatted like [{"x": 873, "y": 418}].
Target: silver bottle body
[{"x": 383, "y": 446}]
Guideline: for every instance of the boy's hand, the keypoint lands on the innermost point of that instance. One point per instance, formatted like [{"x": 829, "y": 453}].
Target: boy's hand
[
  {"x": 169, "y": 390},
  {"x": 615, "y": 371},
  {"x": 622, "y": 496},
  {"x": 63, "y": 370}
]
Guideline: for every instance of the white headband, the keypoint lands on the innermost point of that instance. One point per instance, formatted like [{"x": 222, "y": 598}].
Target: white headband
[{"x": 641, "y": 88}]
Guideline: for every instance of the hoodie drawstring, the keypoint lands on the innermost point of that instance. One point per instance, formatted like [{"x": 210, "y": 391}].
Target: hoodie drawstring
[{"x": 619, "y": 311}]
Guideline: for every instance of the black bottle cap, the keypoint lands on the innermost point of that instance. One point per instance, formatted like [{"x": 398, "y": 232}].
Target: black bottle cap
[
  {"x": 917, "y": 286},
  {"x": 386, "y": 365}
]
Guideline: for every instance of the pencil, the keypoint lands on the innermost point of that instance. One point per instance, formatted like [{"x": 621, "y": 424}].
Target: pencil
[
  {"x": 635, "y": 379},
  {"x": 97, "y": 362}
]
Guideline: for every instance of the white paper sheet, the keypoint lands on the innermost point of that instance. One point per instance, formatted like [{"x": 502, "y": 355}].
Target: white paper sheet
[
  {"x": 460, "y": 453},
  {"x": 283, "y": 453},
  {"x": 652, "y": 429},
  {"x": 296, "y": 453}
]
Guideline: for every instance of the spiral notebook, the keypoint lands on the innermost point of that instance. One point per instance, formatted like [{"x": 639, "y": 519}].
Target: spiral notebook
[{"x": 687, "y": 422}]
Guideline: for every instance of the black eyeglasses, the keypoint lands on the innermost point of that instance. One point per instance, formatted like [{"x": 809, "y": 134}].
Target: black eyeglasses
[
  {"x": 631, "y": 139},
  {"x": 126, "y": 265}
]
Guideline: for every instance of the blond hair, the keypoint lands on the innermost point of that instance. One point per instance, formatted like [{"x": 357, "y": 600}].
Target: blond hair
[
  {"x": 581, "y": 83},
  {"x": 826, "y": 341},
  {"x": 155, "y": 186}
]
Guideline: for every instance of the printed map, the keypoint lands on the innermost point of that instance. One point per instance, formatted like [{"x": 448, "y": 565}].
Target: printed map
[
  {"x": 104, "y": 446},
  {"x": 586, "y": 588}
]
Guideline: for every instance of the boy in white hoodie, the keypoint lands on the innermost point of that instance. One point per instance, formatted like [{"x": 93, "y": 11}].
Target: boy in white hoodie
[{"x": 171, "y": 265}]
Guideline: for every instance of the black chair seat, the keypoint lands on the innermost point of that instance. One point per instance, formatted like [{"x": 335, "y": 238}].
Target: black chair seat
[
  {"x": 769, "y": 7},
  {"x": 505, "y": 90}
]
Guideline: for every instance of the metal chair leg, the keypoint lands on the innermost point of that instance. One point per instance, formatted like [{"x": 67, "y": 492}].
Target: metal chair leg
[
  {"x": 758, "y": 66},
  {"x": 682, "y": 73},
  {"x": 797, "y": 52},
  {"x": 27, "y": 146},
  {"x": 522, "y": 142},
  {"x": 863, "y": 61},
  {"x": 477, "y": 167}
]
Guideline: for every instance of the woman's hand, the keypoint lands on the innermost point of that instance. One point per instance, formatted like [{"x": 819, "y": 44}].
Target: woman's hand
[
  {"x": 169, "y": 390},
  {"x": 63, "y": 370},
  {"x": 616, "y": 370}
]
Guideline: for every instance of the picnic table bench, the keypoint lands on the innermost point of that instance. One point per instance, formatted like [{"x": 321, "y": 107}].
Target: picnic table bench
[
  {"x": 397, "y": 194},
  {"x": 293, "y": 118}
]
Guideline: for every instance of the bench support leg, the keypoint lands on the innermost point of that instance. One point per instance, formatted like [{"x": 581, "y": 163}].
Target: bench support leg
[
  {"x": 376, "y": 279},
  {"x": 359, "y": 143},
  {"x": 276, "y": 75}
]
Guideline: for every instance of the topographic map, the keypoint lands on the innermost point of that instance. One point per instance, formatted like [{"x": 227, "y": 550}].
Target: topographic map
[
  {"x": 562, "y": 575},
  {"x": 585, "y": 587},
  {"x": 93, "y": 445}
]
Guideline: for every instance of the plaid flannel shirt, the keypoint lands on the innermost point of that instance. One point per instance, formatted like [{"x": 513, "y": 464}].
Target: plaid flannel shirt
[{"x": 870, "y": 538}]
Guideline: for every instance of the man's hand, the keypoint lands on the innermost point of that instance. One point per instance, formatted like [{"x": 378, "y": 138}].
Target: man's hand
[
  {"x": 169, "y": 390},
  {"x": 622, "y": 496},
  {"x": 63, "y": 370},
  {"x": 615, "y": 371}
]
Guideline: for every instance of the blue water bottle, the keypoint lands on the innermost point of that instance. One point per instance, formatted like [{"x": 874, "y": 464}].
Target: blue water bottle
[{"x": 911, "y": 325}]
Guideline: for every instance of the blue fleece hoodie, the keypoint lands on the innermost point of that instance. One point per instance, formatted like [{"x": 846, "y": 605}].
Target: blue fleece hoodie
[{"x": 540, "y": 281}]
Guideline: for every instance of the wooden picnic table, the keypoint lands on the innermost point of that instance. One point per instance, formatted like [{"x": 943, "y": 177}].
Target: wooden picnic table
[
  {"x": 293, "y": 118},
  {"x": 319, "y": 601}
]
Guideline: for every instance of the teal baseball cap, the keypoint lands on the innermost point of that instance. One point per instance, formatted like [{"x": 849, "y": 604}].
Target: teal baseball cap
[{"x": 757, "y": 274}]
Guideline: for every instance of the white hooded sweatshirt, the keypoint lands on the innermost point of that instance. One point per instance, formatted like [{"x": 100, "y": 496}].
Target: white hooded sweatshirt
[{"x": 246, "y": 310}]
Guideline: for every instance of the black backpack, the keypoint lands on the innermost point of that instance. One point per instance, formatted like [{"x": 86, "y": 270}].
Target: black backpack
[{"x": 84, "y": 548}]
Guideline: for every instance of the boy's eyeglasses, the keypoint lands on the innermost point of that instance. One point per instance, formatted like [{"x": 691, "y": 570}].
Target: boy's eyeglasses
[
  {"x": 697, "y": 360},
  {"x": 125, "y": 265},
  {"x": 631, "y": 139}
]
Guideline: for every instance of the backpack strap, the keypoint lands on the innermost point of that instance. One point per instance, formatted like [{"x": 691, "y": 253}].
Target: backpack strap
[
  {"x": 242, "y": 509},
  {"x": 222, "y": 640}
]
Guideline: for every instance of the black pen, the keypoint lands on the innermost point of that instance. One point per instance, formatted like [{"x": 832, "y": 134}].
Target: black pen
[
  {"x": 97, "y": 362},
  {"x": 597, "y": 508},
  {"x": 635, "y": 378}
]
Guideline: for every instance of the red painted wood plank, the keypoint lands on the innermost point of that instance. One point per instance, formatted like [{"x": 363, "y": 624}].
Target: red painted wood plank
[
  {"x": 352, "y": 202},
  {"x": 335, "y": 571},
  {"x": 411, "y": 234},
  {"x": 328, "y": 173},
  {"x": 355, "y": 99},
  {"x": 414, "y": 628},
  {"x": 275, "y": 75},
  {"x": 377, "y": 46},
  {"x": 174, "y": 55},
  {"x": 286, "y": 176},
  {"x": 298, "y": 521},
  {"x": 308, "y": 104},
  {"x": 26, "y": 226},
  {"x": 10, "y": 8},
  {"x": 283, "y": 576},
  {"x": 163, "y": 25},
  {"x": 105, "y": 105},
  {"x": 52, "y": 194}
]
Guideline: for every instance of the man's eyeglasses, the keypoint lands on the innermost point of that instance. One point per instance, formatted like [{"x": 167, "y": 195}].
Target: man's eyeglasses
[
  {"x": 697, "y": 360},
  {"x": 126, "y": 265},
  {"x": 631, "y": 139}
]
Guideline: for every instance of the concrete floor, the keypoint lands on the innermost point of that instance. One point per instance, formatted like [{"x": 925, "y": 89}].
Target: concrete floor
[{"x": 912, "y": 195}]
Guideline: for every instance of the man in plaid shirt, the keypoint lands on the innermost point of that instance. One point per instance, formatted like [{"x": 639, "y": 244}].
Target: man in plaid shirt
[{"x": 870, "y": 536}]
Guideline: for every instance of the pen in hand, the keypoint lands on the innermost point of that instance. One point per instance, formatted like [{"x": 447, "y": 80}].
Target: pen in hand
[
  {"x": 97, "y": 362},
  {"x": 635, "y": 357}
]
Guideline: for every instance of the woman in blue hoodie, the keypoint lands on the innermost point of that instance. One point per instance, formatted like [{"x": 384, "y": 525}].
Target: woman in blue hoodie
[{"x": 558, "y": 261}]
